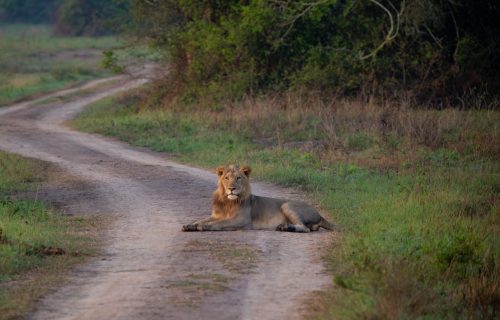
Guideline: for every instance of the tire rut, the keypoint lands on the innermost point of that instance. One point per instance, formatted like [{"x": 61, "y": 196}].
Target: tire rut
[{"x": 149, "y": 268}]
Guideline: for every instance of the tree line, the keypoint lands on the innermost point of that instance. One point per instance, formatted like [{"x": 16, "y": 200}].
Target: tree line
[
  {"x": 433, "y": 51},
  {"x": 69, "y": 17}
]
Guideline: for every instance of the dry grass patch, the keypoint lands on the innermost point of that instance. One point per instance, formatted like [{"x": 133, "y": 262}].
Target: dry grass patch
[{"x": 338, "y": 129}]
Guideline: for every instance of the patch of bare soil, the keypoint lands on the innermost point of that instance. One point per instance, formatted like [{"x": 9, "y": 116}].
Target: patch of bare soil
[{"x": 149, "y": 269}]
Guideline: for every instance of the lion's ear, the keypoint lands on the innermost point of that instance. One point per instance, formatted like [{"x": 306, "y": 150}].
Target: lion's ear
[
  {"x": 219, "y": 171},
  {"x": 246, "y": 170}
]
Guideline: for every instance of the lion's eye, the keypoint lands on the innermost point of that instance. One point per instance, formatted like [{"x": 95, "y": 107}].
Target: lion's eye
[{"x": 226, "y": 178}]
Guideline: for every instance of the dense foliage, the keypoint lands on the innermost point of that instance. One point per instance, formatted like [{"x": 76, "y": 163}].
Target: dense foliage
[
  {"x": 429, "y": 49},
  {"x": 70, "y": 17},
  {"x": 34, "y": 11},
  {"x": 90, "y": 17}
]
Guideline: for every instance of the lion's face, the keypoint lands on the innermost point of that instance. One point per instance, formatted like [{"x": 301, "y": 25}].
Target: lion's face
[{"x": 234, "y": 182}]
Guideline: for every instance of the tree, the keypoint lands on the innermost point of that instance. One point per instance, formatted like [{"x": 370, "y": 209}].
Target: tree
[
  {"x": 90, "y": 17},
  {"x": 34, "y": 11},
  {"x": 436, "y": 49}
]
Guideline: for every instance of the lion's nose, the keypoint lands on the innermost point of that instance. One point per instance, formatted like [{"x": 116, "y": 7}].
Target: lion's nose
[{"x": 231, "y": 189}]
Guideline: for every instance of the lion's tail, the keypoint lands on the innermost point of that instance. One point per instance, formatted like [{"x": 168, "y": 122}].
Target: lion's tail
[{"x": 327, "y": 225}]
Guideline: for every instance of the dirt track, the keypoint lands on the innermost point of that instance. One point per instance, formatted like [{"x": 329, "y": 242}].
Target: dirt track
[{"x": 149, "y": 268}]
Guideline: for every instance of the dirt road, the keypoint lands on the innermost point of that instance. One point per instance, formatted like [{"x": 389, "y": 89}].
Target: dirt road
[{"x": 149, "y": 268}]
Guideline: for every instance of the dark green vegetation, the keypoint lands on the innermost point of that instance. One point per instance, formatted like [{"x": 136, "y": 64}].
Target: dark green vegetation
[
  {"x": 70, "y": 17},
  {"x": 90, "y": 17},
  {"x": 437, "y": 53},
  {"x": 416, "y": 190},
  {"x": 34, "y": 11},
  {"x": 32, "y": 61},
  {"x": 36, "y": 244}
]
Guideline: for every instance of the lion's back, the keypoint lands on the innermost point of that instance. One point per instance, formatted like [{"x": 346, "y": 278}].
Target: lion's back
[{"x": 266, "y": 212}]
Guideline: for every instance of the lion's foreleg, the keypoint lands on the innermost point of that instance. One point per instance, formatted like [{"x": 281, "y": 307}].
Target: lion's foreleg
[
  {"x": 226, "y": 225},
  {"x": 206, "y": 220},
  {"x": 216, "y": 225},
  {"x": 195, "y": 226}
]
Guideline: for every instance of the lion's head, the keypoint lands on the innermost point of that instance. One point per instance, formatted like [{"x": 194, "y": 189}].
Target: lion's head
[{"x": 233, "y": 182}]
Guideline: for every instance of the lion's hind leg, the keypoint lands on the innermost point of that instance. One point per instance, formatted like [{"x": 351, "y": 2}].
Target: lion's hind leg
[
  {"x": 296, "y": 224},
  {"x": 314, "y": 227}
]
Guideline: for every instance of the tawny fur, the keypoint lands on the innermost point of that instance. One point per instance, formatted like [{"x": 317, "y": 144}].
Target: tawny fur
[
  {"x": 235, "y": 207},
  {"x": 222, "y": 207}
]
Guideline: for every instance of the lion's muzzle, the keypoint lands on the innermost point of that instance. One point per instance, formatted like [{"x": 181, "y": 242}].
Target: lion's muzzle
[{"x": 233, "y": 196}]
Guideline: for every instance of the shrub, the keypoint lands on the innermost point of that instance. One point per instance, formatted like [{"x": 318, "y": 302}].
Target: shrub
[
  {"x": 89, "y": 17},
  {"x": 432, "y": 51},
  {"x": 34, "y": 11}
]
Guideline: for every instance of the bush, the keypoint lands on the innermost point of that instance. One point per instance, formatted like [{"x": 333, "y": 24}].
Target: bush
[
  {"x": 89, "y": 17},
  {"x": 34, "y": 11},
  {"x": 433, "y": 50}
]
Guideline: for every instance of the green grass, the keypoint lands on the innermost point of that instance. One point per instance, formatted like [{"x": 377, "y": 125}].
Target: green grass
[
  {"x": 33, "y": 61},
  {"x": 420, "y": 240},
  {"x": 28, "y": 231}
]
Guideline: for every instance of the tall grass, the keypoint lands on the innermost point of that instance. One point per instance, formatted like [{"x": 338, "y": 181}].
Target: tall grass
[{"x": 416, "y": 190}]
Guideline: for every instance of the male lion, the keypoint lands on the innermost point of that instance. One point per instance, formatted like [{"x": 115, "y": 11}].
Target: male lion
[{"x": 234, "y": 207}]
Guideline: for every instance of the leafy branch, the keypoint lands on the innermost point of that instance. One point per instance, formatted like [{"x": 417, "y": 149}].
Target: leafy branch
[{"x": 393, "y": 30}]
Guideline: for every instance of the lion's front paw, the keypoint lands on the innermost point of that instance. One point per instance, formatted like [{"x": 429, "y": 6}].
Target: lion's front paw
[{"x": 189, "y": 227}]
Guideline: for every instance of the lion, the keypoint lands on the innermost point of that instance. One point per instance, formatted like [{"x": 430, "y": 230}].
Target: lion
[{"x": 234, "y": 207}]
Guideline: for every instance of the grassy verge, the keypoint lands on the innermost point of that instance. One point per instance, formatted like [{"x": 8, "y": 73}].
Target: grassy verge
[
  {"x": 416, "y": 190},
  {"x": 37, "y": 245},
  {"x": 33, "y": 61}
]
